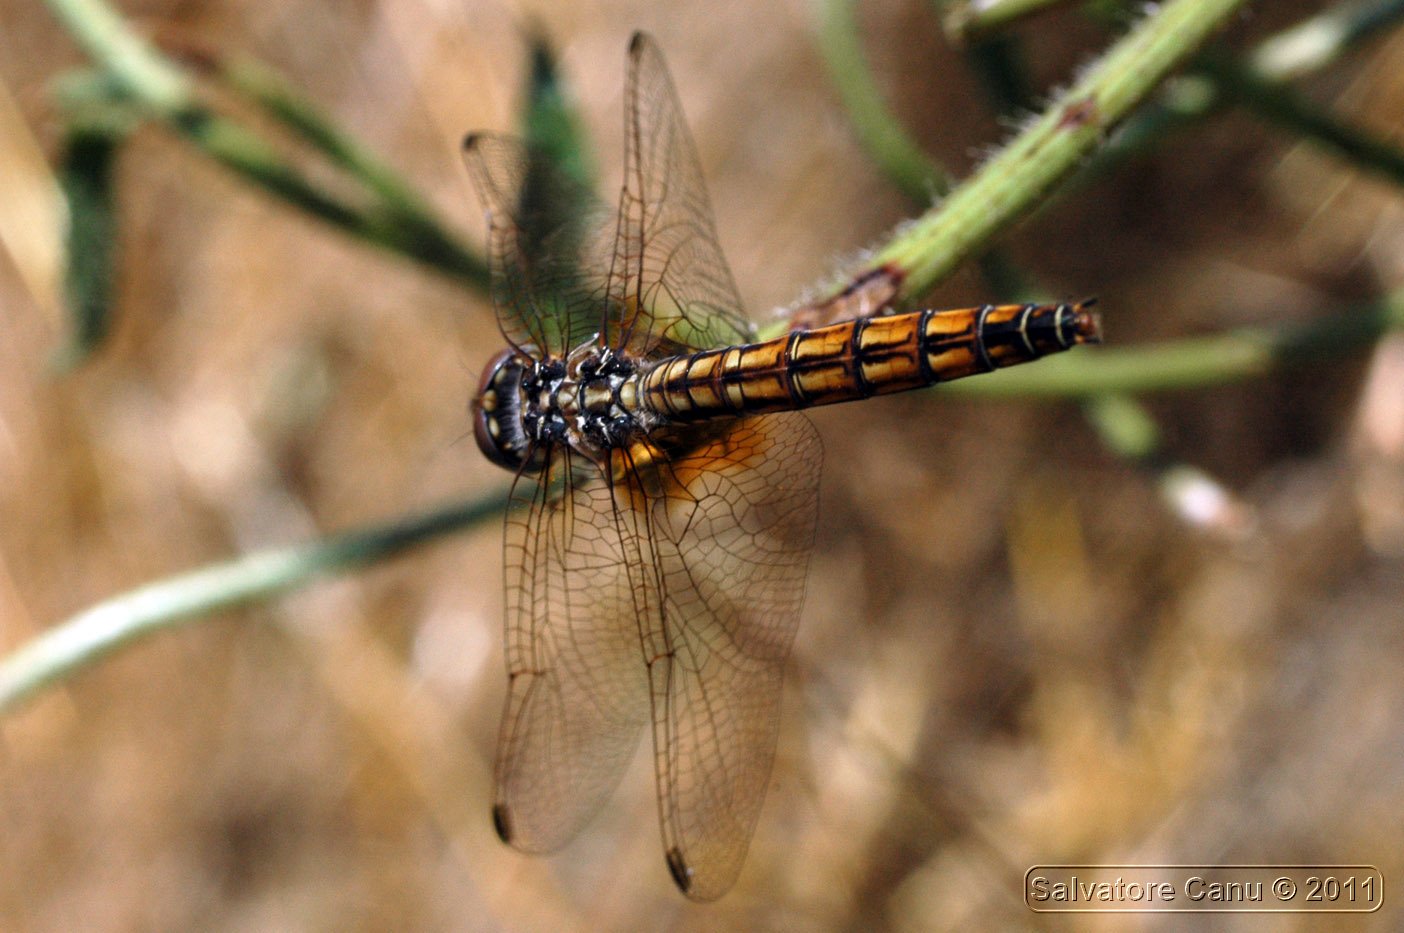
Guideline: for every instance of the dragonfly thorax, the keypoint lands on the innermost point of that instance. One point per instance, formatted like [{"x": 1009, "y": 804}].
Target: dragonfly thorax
[{"x": 525, "y": 405}]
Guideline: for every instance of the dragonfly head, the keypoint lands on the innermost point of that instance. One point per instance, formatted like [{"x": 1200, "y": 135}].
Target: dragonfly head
[{"x": 499, "y": 409}]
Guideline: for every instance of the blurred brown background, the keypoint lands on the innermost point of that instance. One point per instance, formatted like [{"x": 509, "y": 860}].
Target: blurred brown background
[{"x": 1012, "y": 651}]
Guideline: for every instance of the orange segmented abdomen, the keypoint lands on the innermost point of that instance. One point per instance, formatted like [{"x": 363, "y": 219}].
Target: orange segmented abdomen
[{"x": 857, "y": 359}]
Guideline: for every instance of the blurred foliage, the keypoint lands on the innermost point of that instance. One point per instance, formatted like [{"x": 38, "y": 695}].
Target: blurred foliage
[{"x": 86, "y": 176}]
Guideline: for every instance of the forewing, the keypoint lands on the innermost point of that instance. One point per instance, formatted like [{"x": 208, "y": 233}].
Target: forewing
[
  {"x": 669, "y": 283},
  {"x": 577, "y": 694},
  {"x": 548, "y": 242},
  {"x": 725, "y": 532}
]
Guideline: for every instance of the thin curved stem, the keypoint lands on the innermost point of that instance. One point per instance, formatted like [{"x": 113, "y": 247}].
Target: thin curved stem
[
  {"x": 879, "y": 131},
  {"x": 967, "y": 20},
  {"x": 1258, "y": 81},
  {"x": 156, "y": 87},
  {"x": 1283, "y": 106},
  {"x": 904, "y": 163},
  {"x": 140, "y": 70},
  {"x": 101, "y": 629},
  {"x": 1017, "y": 179},
  {"x": 1323, "y": 39}
]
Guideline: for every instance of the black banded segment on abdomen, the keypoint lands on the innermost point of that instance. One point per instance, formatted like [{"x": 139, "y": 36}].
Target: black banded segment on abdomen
[
  {"x": 821, "y": 365},
  {"x": 857, "y": 359},
  {"x": 890, "y": 357}
]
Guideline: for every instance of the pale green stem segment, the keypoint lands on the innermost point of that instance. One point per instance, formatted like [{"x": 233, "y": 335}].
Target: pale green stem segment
[
  {"x": 1322, "y": 39},
  {"x": 141, "y": 71},
  {"x": 1124, "y": 425},
  {"x": 965, "y": 20},
  {"x": 1014, "y": 181},
  {"x": 95, "y": 632}
]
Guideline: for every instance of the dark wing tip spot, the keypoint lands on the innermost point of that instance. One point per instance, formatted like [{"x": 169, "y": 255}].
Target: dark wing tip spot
[
  {"x": 502, "y": 823},
  {"x": 682, "y": 874},
  {"x": 637, "y": 42},
  {"x": 470, "y": 142}
]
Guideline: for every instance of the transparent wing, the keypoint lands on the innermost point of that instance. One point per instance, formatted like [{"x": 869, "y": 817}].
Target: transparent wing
[
  {"x": 695, "y": 547},
  {"x": 722, "y": 534},
  {"x": 548, "y": 245},
  {"x": 577, "y": 695},
  {"x": 669, "y": 284}
]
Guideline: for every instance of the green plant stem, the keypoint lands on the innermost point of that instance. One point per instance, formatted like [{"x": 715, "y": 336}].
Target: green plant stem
[
  {"x": 1323, "y": 39},
  {"x": 882, "y": 135},
  {"x": 1308, "y": 46},
  {"x": 1016, "y": 179},
  {"x": 965, "y": 20},
  {"x": 269, "y": 90},
  {"x": 1124, "y": 425},
  {"x": 142, "y": 73},
  {"x": 898, "y": 156},
  {"x": 879, "y": 132},
  {"x": 102, "y": 629},
  {"x": 234, "y": 147},
  {"x": 399, "y": 220},
  {"x": 394, "y": 220},
  {"x": 1289, "y": 110},
  {"x": 86, "y": 177}
]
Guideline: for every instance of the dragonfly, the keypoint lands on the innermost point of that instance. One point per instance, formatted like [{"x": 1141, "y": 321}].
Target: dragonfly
[{"x": 665, "y": 500}]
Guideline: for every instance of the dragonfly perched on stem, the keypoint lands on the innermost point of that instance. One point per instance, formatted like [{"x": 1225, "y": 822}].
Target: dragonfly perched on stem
[{"x": 660, "y": 525}]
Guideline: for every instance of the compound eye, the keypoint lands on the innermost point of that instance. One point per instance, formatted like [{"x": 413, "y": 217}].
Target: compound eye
[{"x": 497, "y": 411}]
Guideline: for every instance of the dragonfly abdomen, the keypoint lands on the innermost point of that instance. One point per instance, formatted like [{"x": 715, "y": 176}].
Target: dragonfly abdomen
[{"x": 858, "y": 359}]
